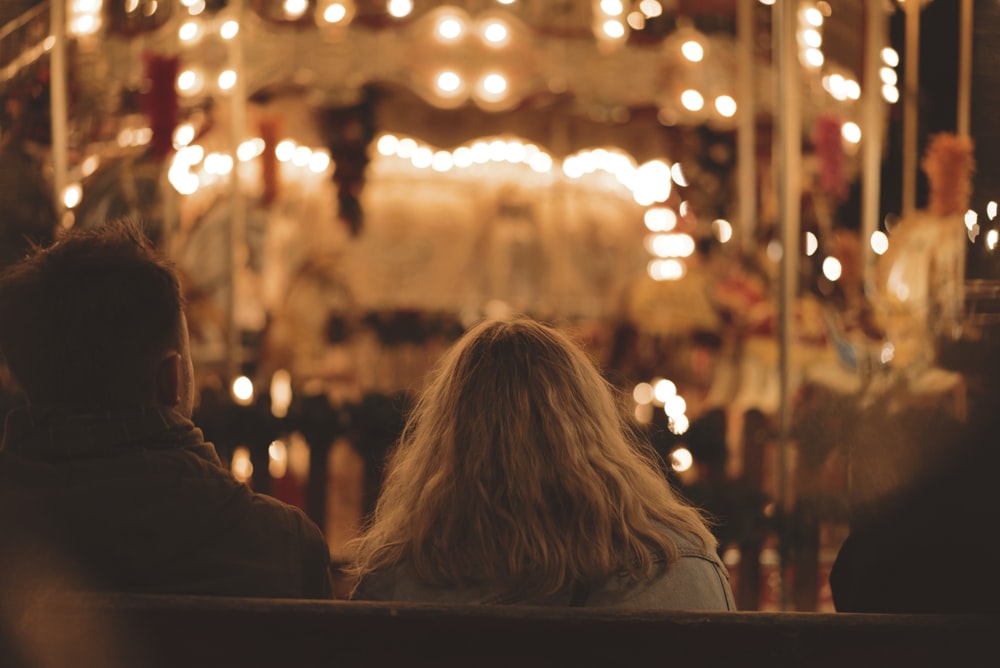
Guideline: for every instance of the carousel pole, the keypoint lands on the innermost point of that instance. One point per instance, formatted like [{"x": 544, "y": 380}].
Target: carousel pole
[
  {"x": 788, "y": 152},
  {"x": 964, "y": 67},
  {"x": 59, "y": 109},
  {"x": 911, "y": 106},
  {"x": 871, "y": 133},
  {"x": 236, "y": 229},
  {"x": 746, "y": 138}
]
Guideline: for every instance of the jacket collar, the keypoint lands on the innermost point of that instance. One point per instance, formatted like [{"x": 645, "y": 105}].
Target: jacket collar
[{"x": 66, "y": 432}]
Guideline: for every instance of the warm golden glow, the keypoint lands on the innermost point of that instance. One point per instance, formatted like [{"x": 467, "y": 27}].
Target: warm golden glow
[
  {"x": 726, "y": 106},
  {"x": 880, "y": 242},
  {"x": 681, "y": 459},
  {"x": 693, "y": 50},
  {"x": 642, "y": 393},
  {"x": 723, "y": 230},
  {"x": 243, "y": 391},
  {"x": 229, "y": 29},
  {"x": 831, "y": 268},
  {"x": 399, "y": 8},
  {"x": 72, "y": 195},
  {"x": 227, "y": 79},
  {"x": 692, "y": 100},
  {"x": 281, "y": 393},
  {"x": 851, "y": 132},
  {"x": 812, "y": 244},
  {"x": 241, "y": 465}
]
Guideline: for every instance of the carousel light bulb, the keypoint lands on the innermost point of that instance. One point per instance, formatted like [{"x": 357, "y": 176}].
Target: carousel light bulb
[
  {"x": 450, "y": 29},
  {"x": 636, "y": 20},
  {"x": 183, "y": 135},
  {"x": 650, "y": 8},
  {"x": 991, "y": 239},
  {"x": 229, "y": 29},
  {"x": 196, "y": 7},
  {"x": 295, "y": 8},
  {"x": 832, "y": 268},
  {"x": 422, "y": 158},
  {"x": 642, "y": 393},
  {"x": 227, "y": 79},
  {"x": 189, "y": 31},
  {"x": 812, "y": 244},
  {"x": 812, "y": 16},
  {"x": 462, "y": 157},
  {"x": 971, "y": 219},
  {"x": 880, "y": 242},
  {"x": 991, "y": 209},
  {"x": 852, "y": 89},
  {"x": 301, "y": 156},
  {"x": 660, "y": 219},
  {"x": 888, "y": 76},
  {"x": 189, "y": 81},
  {"x": 281, "y": 393},
  {"x": 723, "y": 230},
  {"x": 692, "y": 100},
  {"x": 442, "y": 161},
  {"x": 674, "y": 405},
  {"x": 495, "y": 33},
  {"x": 612, "y": 7},
  {"x": 243, "y": 390},
  {"x": 541, "y": 163},
  {"x": 670, "y": 269},
  {"x": 890, "y": 94},
  {"x": 851, "y": 132},
  {"x": 678, "y": 424},
  {"x": 726, "y": 106},
  {"x": 613, "y": 29},
  {"x": 246, "y": 151},
  {"x": 72, "y": 195},
  {"x": 813, "y": 57},
  {"x": 285, "y": 150},
  {"x": 277, "y": 455},
  {"x": 890, "y": 57},
  {"x": 448, "y": 82},
  {"x": 89, "y": 165},
  {"x": 811, "y": 38},
  {"x": 681, "y": 459},
  {"x": 494, "y": 84},
  {"x": 319, "y": 161},
  {"x": 387, "y": 144},
  {"x": 663, "y": 389},
  {"x": 399, "y": 8},
  {"x": 693, "y": 51},
  {"x": 677, "y": 174},
  {"x": 241, "y": 465},
  {"x": 406, "y": 148},
  {"x": 335, "y": 13}
]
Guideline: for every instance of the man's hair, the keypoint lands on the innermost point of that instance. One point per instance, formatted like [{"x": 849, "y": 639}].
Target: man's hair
[
  {"x": 517, "y": 470},
  {"x": 84, "y": 320}
]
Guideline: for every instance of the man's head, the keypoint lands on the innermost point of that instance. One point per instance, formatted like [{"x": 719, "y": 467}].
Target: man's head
[{"x": 96, "y": 320}]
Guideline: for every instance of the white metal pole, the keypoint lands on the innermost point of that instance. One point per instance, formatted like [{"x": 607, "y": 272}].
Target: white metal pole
[
  {"x": 746, "y": 130},
  {"x": 911, "y": 103},
  {"x": 59, "y": 107},
  {"x": 236, "y": 229},
  {"x": 871, "y": 136},
  {"x": 964, "y": 68},
  {"x": 789, "y": 164}
]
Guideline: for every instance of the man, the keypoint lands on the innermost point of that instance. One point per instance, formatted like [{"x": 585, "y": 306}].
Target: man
[{"x": 105, "y": 483}]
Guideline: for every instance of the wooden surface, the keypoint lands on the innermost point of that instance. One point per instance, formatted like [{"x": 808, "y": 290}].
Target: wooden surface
[{"x": 114, "y": 631}]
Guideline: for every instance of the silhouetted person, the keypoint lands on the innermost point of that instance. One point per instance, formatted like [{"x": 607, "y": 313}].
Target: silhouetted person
[
  {"x": 516, "y": 480},
  {"x": 104, "y": 480}
]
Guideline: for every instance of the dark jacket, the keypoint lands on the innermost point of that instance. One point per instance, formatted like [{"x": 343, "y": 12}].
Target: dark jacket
[{"x": 138, "y": 502}]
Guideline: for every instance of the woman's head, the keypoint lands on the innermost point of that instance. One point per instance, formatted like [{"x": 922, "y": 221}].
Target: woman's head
[{"x": 516, "y": 469}]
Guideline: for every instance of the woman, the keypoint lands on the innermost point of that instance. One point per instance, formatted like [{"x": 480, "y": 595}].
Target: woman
[{"x": 516, "y": 481}]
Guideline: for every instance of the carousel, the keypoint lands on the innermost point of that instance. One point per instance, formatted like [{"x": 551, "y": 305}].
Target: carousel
[{"x": 346, "y": 185}]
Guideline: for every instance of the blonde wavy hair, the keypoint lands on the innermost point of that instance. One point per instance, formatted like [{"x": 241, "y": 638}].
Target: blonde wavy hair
[{"x": 517, "y": 470}]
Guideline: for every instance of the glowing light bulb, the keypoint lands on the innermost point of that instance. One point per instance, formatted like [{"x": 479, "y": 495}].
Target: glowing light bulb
[
  {"x": 832, "y": 268},
  {"x": 227, "y": 79},
  {"x": 229, "y": 29},
  {"x": 243, "y": 390},
  {"x": 399, "y": 8},
  {"x": 448, "y": 82},
  {"x": 692, "y": 100},
  {"x": 880, "y": 242},
  {"x": 495, "y": 33},
  {"x": 725, "y": 105},
  {"x": 450, "y": 29},
  {"x": 693, "y": 51}
]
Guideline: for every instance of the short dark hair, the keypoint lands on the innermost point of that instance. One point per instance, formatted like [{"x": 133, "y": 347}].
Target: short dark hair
[{"x": 82, "y": 320}]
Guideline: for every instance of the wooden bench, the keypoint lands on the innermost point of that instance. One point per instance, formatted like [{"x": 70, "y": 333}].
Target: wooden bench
[{"x": 115, "y": 631}]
